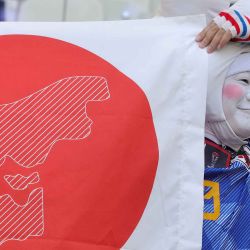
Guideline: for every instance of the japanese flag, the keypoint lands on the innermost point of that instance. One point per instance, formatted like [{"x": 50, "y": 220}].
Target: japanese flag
[{"x": 101, "y": 135}]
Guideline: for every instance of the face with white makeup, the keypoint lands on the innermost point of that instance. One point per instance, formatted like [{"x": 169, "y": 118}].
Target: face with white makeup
[{"x": 236, "y": 103}]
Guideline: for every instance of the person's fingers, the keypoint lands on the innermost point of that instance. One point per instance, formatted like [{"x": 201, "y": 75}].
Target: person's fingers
[
  {"x": 202, "y": 34},
  {"x": 213, "y": 45},
  {"x": 225, "y": 39},
  {"x": 211, "y": 32}
]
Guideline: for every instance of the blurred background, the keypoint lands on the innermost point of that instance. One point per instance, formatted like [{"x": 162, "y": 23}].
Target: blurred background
[{"x": 76, "y": 10}]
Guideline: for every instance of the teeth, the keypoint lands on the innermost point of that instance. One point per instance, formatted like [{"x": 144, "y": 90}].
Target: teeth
[{"x": 244, "y": 108}]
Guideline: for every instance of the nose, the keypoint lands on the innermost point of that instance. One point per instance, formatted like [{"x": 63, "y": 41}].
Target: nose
[{"x": 248, "y": 95}]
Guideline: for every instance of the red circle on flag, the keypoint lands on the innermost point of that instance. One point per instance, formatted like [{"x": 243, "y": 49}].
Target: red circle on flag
[{"x": 94, "y": 189}]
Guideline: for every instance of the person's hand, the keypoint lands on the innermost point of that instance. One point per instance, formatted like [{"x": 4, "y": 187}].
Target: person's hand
[{"x": 212, "y": 37}]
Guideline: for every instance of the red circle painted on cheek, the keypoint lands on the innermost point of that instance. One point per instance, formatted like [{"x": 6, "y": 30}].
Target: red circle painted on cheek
[
  {"x": 232, "y": 91},
  {"x": 95, "y": 189}
]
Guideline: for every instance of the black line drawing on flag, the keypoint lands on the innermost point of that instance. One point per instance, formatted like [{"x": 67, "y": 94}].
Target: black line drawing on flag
[
  {"x": 29, "y": 128},
  {"x": 19, "y": 222},
  {"x": 20, "y": 182}
]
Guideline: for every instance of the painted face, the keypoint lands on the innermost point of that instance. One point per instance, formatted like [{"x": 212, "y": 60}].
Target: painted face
[{"x": 236, "y": 103}]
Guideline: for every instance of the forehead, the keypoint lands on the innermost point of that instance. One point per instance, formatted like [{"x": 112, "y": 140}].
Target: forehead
[
  {"x": 239, "y": 76},
  {"x": 240, "y": 64}
]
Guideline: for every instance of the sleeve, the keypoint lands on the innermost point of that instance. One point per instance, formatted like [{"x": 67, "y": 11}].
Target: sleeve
[
  {"x": 243, "y": 6},
  {"x": 237, "y": 20}
]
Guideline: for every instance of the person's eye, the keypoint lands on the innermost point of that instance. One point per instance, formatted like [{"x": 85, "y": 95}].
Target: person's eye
[{"x": 245, "y": 81}]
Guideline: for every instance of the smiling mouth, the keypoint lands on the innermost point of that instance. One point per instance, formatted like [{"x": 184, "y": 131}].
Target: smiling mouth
[{"x": 244, "y": 108}]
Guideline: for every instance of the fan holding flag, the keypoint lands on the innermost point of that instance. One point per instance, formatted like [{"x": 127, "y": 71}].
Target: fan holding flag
[{"x": 227, "y": 20}]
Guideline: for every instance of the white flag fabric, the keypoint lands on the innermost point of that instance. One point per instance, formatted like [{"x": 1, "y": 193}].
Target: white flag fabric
[{"x": 102, "y": 135}]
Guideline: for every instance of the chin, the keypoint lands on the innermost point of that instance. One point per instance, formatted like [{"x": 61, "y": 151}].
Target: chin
[{"x": 242, "y": 132}]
